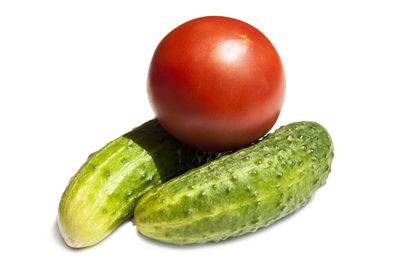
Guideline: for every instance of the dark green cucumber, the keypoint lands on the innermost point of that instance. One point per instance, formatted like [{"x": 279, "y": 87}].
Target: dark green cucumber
[
  {"x": 242, "y": 191},
  {"x": 105, "y": 190}
]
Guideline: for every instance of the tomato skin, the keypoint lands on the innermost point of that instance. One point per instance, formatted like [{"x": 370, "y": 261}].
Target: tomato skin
[{"x": 216, "y": 83}]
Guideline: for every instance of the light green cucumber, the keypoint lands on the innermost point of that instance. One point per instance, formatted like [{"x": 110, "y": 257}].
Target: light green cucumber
[
  {"x": 105, "y": 190},
  {"x": 242, "y": 191}
]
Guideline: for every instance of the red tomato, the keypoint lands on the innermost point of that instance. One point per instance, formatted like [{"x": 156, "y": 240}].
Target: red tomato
[{"x": 216, "y": 83}]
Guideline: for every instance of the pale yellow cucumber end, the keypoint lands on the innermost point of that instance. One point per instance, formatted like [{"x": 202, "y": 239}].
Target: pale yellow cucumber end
[
  {"x": 72, "y": 241},
  {"x": 69, "y": 239}
]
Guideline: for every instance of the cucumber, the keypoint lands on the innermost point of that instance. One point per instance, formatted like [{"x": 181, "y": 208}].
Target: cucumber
[
  {"x": 239, "y": 192},
  {"x": 105, "y": 190}
]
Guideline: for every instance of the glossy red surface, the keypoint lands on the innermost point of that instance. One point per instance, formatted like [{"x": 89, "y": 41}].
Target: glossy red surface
[{"x": 216, "y": 83}]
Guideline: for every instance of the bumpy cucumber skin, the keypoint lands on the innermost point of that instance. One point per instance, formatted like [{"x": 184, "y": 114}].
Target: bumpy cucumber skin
[
  {"x": 105, "y": 190},
  {"x": 240, "y": 192}
]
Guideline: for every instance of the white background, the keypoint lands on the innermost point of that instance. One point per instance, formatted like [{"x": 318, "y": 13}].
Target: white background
[{"x": 73, "y": 77}]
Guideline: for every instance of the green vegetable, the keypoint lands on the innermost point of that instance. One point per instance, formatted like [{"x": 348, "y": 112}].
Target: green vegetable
[
  {"x": 107, "y": 187},
  {"x": 242, "y": 191}
]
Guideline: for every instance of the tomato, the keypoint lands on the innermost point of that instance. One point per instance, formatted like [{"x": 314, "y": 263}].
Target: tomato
[{"x": 216, "y": 83}]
